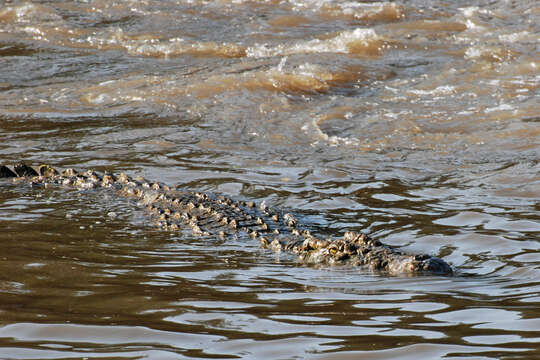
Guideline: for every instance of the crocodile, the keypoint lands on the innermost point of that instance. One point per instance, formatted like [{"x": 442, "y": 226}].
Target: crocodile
[{"x": 207, "y": 214}]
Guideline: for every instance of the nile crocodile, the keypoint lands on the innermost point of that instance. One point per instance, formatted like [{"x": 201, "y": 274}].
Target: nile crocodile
[{"x": 215, "y": 215}]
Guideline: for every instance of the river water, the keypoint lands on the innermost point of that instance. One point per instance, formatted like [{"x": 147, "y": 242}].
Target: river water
[{"x": 418, "y": 124}]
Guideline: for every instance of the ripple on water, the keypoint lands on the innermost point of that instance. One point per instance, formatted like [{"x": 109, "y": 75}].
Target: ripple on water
[{"x": 416, "y": 123}]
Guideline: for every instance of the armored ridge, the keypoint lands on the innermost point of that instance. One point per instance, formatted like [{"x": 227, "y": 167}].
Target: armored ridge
[{"x": 213, "y": 215}]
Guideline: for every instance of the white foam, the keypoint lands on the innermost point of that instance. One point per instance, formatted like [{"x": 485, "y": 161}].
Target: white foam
[
  {"x": 474, "y": 52},
  {"x": 519, "y": 36},
  {"x": 338, "y": 44},
  {"x": 33, "y": 13},
  {"x": 502, "y": 107},
  {"x": 469, "y": 11},
  {"x": 438, "y": 91},
  {"x": 357, "y": 10}
]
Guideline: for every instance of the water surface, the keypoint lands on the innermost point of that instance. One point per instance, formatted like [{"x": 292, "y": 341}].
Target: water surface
[{"x": 418, "y": 124}]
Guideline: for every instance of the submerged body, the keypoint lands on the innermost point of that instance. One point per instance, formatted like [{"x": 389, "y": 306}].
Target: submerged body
[{"x": 208, "y": 214}]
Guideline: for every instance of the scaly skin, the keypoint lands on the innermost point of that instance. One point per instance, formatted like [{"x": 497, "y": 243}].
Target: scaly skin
[{"x": 208, "y": 215}]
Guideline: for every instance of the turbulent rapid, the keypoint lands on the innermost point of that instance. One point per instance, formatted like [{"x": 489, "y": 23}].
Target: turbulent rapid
[{"x": 416, "y": 123}]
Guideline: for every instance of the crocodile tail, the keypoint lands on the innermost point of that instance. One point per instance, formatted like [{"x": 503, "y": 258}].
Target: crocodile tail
[
  {"x": 19, "y": 170},
  {"x": 6, "y": 172}
]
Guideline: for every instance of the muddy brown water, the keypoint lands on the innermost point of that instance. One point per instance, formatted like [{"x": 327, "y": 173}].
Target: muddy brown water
[{"x": 418, "y": 124}]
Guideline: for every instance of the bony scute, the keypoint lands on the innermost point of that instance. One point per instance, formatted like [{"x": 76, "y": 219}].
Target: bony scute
[{"x": 211, "y": 215}]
